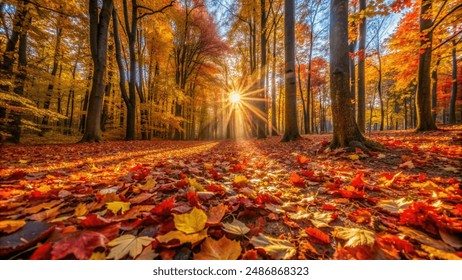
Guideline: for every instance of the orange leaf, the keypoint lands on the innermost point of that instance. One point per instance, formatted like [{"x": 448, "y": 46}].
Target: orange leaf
[
  {"x": 318, "y": 234},
  {"x": 222, "y": 249},
  {"x": 296, "y": 180}
]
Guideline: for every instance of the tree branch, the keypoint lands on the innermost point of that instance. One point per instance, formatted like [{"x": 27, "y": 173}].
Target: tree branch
[
  {"x": 447, "y": 40},
  {"x": 151, "y": 11},
  {"x": 435, "y": 24}
]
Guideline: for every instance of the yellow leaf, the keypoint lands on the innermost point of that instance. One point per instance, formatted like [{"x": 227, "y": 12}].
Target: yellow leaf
[
  {"x": 236, "y": 228},
  {"x": 277, "y": 248},
  {"x": 440, "y": 254},
  {"x": 98, "y": 256},
  {"x": 408, "y": 164},
  {"x": 81, "y": 210},
  {"x": 22, "y": 161},
  {"x": 222, "y": 249},
  {"x": 208, "y": 166},
  {"x": 193, "y": 183},
  {"x": 240, "y": 179},
  {"x": 127, "y": 244},
  {"x": 150, "y": 184},
  {"x": 9, "y": 226},
  {"x": 182, "y": 237},
  {"x": 355, "y": 236},
  {"x": 191, "y": 222},
  {"x": 117, "y": 206},
  {"x": 353, "y": 157}
]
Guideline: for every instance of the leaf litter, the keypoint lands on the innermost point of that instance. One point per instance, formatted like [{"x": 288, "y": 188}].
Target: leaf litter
[{"x": 233, "y": 200}]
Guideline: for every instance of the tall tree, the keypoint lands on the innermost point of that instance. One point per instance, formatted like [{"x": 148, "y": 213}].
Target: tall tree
[
  {"x": 291, "y": 127},
  {"x": 452, "y": 103},
  {"x": 362, "y": 68},
  {"x": 423, "y": 96},
  {"x": 346, "y": 131},
  {"x": 99, "y": 26}
]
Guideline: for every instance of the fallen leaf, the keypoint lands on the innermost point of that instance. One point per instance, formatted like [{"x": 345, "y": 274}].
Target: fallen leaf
[
  {"x": 10, "y": 226},
  {"x": 165, "y": 207},
  {"x": 353, "y": 157},
  {"x": 425, "y": 239},
  {"x": 222, "y": 249},
  {"x": 440, "y": 254},
  {"x": 296, "y": 180},
  {"x": 236, "y": 227},
  {"x": 29, "y": 235},
  {"x": 98, "y": 256},
  {"x": 318, "y": 234},
  {"x": 127, "y": 244},
  {"x": 80, "y": 244},
  {"x": 182, "y": 237},
  {"x": 216, "y": 213},
  {"x": 195, "y": 185},
  {"x": 276, "y": 248},
  {"x": 117, "y": 206},
  {"x": 355, "y": 236},
  {"x": 394, "y": 206},
  {"x": 407, "y": 165},
  {"x": 81, "y": 210},
  {"x": 191, "y": 222}
]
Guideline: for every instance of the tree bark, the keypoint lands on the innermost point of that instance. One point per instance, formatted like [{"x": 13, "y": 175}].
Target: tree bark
[
  {"x": 346, "y": 132},
  {"x": 291, "y": 127},
  {"x": 425, "y": 120},
  {"x": 435, "y": 89},
  {"x": 452, "y": 102},
  {"x": 261, "y": 119},
  {"x": 99, "y": 25},
  {"x": 362, "y": 70}
]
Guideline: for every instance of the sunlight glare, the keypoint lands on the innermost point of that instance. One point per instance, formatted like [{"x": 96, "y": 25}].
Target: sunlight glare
[{"x": 234, "y": 97}]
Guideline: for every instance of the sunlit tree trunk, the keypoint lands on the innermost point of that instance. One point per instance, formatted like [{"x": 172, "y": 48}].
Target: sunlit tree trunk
[
  {"x": 346, "y": 132},
  {"x": 362, "y": 70},
  {"x": 423, "y": 98},
  {"x": 291, "y": 128},
  {"x": 99, "y": 25}
]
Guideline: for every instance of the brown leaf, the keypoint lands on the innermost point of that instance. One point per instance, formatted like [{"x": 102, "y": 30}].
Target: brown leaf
[{"x": 222, "y": 249}]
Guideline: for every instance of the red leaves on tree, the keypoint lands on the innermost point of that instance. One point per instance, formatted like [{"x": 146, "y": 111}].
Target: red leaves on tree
[{"x": 318, "y": 234}]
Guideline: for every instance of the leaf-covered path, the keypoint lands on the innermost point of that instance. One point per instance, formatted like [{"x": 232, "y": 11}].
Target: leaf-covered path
[{"x": 253, "y": 199}]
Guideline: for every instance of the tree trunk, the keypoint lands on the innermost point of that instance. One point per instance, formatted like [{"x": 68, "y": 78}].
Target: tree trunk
[
  {"x": 54, "y": 71},
  {"x": 362, "y": 70},
  {"x": 99, "y": 25},
  {"x": 452, "y": 103},
  {"x": 291, "y": 127},
  {"x": 352, "y": 49},
  {"x": 274, "y": 125},
  {"x": 435, "y": 89},
  {"x": 379, "y": 90},
  {"x": 425, "y": 120},
  {"x": 346, "y": 132},
  {"x": 261, "y": 96}
]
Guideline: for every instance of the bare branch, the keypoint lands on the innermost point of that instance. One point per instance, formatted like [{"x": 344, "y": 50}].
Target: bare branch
[{"x": 152, "y": 11}]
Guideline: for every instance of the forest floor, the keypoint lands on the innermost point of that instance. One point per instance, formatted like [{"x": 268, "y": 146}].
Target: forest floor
[{"x": 250, "y": 199}]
